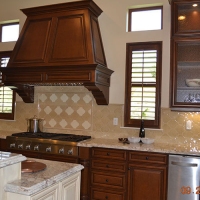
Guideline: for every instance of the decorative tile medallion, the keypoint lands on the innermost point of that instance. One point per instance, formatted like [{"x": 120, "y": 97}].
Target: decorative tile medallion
[{"x": 66, "y": 111}]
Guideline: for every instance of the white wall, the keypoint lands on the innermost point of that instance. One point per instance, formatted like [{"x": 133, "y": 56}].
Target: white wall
[{"x": 113, "y": 29}]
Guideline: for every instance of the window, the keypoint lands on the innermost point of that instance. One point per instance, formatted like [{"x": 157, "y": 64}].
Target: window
[
  {"x": 141, "y": 19},
  {"x": 143, "y": 84},
  {"x": 9, "y": 32},
  {"x": 7, "y": 96}
]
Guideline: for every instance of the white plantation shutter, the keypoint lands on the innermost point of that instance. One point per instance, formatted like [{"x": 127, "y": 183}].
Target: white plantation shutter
[
  {"x": 143, "y": 84},
  {"x": 7, "y": 96}
]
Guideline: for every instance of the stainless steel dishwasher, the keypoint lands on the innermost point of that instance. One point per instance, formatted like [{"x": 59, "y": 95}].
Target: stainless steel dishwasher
[{"x": 183, "y": 178}]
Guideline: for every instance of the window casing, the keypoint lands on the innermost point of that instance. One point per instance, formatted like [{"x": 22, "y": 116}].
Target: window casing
[
  {"x": 148, "y": 18},
  {"x": 7, "y": 96},
  {"x": 143, "y": 84}
]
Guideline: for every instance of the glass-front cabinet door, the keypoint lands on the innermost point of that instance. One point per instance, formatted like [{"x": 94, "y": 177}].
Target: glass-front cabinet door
[
  {"x": 186, "y": 16},
  {"x": 185, "y": 55},
  {"x": 186, "y": 74}
]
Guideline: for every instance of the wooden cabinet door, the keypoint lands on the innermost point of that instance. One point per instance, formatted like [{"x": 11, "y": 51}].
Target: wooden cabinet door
[{"x": 147, "y": 183}]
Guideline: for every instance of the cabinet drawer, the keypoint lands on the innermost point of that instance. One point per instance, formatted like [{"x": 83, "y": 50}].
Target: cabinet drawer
[
  {"x": 108, "y": 153},
  {"x": 98, "y": 194},
  {"x": 112, "y": 166},
  {"x": 116, "y": 181},
  {"x": 148, "y": 157}
]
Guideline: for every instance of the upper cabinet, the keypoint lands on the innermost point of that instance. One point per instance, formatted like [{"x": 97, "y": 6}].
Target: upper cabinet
[
  {"x": 185, "y": 15},
  {"x": 185, "y": 55}
]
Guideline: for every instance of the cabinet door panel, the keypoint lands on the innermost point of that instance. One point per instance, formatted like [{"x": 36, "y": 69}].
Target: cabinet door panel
[
  {"x": 105, "y": 165},
  {"x": 107, "y": 179},
  {"x": 70, "y": 188},
  {"x": 98, "y": 194},
  {"x": 108, "y": 153},
  {"x": 48, "y": 194},
  {"x": 147, "y": 183},
  {"x": 148, "y": 157},
  {"x": 34, "y": 42}
]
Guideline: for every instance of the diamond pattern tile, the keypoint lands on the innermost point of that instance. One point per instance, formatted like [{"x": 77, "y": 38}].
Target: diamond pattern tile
[
  {"x": 47, "y": 110},
  {"x": 66, "y": 110},
  {"x": 74, "y": 124},
  {"x": 69, "y": 110},
  {"x": 53, "y": 97},
  {"x": 58, "y": 110},
  {"x": 81, "y": 111}
]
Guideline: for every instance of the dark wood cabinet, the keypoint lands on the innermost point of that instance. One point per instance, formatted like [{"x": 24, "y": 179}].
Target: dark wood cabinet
[
  {"x": 147, "y": 176},
  {"x": 128, "y": 175},
  {"x": 3, "y": 146},
  {"x": 108, "y": 174},
  {"x": 185, "y": 55}
]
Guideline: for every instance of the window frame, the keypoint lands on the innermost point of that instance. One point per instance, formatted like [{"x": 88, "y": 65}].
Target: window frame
[
  {"x": 128, "y": 122},
  {"x": 8, "y": 116},
  {"x": 144, "y": 9},
  {"x": 6, "y": 24}
]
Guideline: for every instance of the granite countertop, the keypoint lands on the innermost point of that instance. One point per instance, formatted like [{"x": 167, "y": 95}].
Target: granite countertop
[
  {"x": 31, "y": 183},
  {"x": 187, "y": 149},
  {"x": 7, "y": 158}
]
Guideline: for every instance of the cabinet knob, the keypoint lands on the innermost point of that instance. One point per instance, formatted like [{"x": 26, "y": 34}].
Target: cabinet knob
[
  {"x": 12, "y": 145},
  {"x": 108, "y": 154},
  {"x": 107, "y": 166},
  {"x": 28, "y": 147},
  {"x": 106, "y": 180},
  {"x": 147, "y": 158},
  {"x": 106, "y": 197}
]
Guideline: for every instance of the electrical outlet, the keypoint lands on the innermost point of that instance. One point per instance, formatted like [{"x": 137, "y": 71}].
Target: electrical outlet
[
  {"x": 115, "y": 121},
  {"x": 188, "y": 125}
]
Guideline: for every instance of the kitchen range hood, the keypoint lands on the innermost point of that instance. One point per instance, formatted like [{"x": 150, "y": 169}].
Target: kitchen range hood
[{"x": 59, "y": 45}]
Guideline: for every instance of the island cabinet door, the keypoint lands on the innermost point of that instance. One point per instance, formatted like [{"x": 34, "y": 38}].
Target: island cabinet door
[
  {"x": 70, "y": 187},
  {"x": 51, "y": 193},
  {"x": 147, "y": 182}
]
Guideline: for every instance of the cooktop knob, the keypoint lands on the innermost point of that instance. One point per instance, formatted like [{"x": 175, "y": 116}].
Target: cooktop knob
[
  {"x": 20, "y": 146},
  {"x": 48, "y": 149},
  {"x": 61, "y": 151},
  {"x": 36, "y": 148},
  {"x": 70, "y": 152},
  {"x": 12, "y": 145},
  {"x": 28, "y": 147}
]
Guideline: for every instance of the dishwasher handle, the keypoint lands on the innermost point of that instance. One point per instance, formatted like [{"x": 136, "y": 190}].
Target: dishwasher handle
[{"x": 182, "y": 164}]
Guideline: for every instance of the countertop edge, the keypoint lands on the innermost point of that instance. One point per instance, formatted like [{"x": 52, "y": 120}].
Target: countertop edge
[{"x": 10, "y": 187}]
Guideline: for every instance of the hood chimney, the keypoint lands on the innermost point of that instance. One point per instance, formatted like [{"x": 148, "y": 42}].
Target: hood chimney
[{"x": 59, "y": 45}]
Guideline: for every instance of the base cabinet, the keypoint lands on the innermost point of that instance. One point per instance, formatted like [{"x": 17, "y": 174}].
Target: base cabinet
[
  {"x": 128, "y": 175},
  {"x": 108, "y": 174},
  {"x": 68, "y": 189},
  {"x": 147, "y": 176},
  {"x": 147, "y": 183}
]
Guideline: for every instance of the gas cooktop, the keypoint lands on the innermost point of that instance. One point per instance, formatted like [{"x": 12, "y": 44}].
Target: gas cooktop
[
  {"x": 52, "y": 136},
  {"x": 54, "y": 143}
]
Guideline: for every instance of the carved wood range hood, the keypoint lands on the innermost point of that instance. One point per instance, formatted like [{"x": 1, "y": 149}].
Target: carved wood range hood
[{"x": 59, "y": 45}]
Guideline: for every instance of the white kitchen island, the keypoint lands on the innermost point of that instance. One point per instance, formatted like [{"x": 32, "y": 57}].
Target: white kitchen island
[
  {"x": 57, "y": 181},
  {"x": 10, "y": 169}
]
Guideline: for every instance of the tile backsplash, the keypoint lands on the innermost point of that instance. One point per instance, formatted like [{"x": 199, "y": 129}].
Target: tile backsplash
[{"x": 73, "y": 110}]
